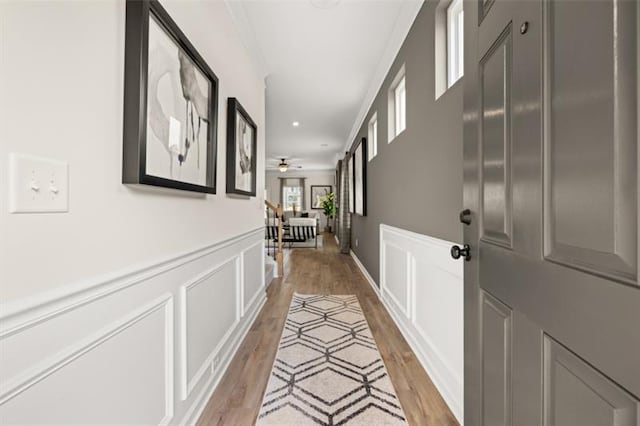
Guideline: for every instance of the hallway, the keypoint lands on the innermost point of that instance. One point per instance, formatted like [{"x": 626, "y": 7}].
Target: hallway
[
  {"x": 237, "y": 398},
  {"x": 477, "y": 159}
]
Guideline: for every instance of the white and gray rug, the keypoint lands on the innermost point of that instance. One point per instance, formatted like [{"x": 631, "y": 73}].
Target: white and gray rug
[{"x": 328, "y": 370}]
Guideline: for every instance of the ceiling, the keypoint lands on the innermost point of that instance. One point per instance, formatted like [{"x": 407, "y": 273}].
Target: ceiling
[{"x": 324, "y": 61}]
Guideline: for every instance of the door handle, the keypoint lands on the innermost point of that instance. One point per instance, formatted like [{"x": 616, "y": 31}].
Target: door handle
[
  {"x": 465, "y": 252},
  {"x": 465, "y": 216}
]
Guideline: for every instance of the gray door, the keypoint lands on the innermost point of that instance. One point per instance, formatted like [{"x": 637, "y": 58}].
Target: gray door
[{"x": 552, "y": 301}]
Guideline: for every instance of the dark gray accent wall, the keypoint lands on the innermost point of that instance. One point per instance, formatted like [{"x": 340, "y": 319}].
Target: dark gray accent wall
[{"x": 415, "y": 182}]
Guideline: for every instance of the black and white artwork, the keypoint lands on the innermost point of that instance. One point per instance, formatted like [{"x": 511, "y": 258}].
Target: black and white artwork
[
  {"x": 359, "y": 177},
  {"x": 351, "y": 186},
  {"x": 170, "y": 133},
  {"x": 241, "y": 150},
  {"x": 318, "y": 192}
]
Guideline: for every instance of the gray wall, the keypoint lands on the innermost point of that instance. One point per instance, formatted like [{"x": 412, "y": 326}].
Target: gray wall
[{"x": 414, "y": 183}]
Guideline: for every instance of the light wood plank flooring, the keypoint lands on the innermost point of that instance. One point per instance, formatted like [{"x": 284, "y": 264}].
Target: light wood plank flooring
[{"x": 236, "y": 401}]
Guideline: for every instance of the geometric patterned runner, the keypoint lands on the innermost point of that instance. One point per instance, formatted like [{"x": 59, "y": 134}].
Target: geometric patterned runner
[{"x": 328, "y": 370}]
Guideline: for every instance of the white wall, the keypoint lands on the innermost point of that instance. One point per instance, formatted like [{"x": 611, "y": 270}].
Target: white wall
[
  {"x": 313, "y": 177},
  {"x": 62, "y": 94},
  {"x": 128, "y": 307},
  {"x": 422, "y": 288}
]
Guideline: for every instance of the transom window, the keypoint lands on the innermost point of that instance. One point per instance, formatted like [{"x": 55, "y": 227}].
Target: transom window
[
  {"x": 455, "y": 42},
  {"x": 397, "y": 105},
  {"x": 401, "y": 106},
  {"x": 372, "y": 141}
]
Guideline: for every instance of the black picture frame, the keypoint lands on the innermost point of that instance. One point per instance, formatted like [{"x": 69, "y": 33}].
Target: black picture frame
[
  {"x": 234, "y": 108},
  {"x": 352, "y": 204},
  {"x": 311, "y": 194},
  {"x": 360, "y": 153},
  {"x": 136, "y": 72}
]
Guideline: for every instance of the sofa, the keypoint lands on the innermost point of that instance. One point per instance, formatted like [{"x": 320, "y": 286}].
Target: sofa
[{"x": 300, "y": 215}]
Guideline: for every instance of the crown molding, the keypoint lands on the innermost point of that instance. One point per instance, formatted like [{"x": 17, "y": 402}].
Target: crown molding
[
  {"x": 404, "y": 21},
  {"x": 247, "y": 36}
]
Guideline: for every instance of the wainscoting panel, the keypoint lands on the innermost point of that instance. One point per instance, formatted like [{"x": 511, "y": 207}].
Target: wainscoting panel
[
  {"x": 253, "y": 271},
  {"x": 144, "y": 346},
  {"x": 422, "y": 288},
  {"x": 131, "y": 359},
  {"x": 207, "y": 318},
  {"x": 396, "y": 275}
]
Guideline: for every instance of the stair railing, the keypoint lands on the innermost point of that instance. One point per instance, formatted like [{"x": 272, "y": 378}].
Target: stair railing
[{"x": 277, "y": 212}]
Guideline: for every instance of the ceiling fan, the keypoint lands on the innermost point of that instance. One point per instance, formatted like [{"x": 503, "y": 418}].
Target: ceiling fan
[{"x": 284, "y": 165}]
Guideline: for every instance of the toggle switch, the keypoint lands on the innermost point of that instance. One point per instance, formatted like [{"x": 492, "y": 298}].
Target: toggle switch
[
  {"x": 53, "y": 188},
  {"x": 28, "y": 190}
]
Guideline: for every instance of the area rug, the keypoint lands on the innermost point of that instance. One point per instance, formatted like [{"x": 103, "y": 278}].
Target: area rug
[{"x": 328, "y": 370}]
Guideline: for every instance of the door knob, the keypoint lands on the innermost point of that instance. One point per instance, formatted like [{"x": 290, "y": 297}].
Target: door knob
[
  {"x": 465, "y": 216},
  {"x": 457, "y": 252}
]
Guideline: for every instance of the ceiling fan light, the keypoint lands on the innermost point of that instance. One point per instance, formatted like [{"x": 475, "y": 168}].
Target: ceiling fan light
[{"x": 283, "y": 168}]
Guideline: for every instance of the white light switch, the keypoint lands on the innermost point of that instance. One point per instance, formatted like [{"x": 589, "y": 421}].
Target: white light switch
[{"x": 37, "y": 184}]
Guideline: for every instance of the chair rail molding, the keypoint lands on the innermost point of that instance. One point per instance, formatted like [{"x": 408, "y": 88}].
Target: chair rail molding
[
  {"x": 153, "y": 341},
  {"x": 421, "y": 287}
]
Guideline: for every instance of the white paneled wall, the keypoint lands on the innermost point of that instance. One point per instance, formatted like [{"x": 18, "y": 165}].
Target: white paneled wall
[
  {"x": 144, "y": 347},
  {"x": 422, "y": 288}
]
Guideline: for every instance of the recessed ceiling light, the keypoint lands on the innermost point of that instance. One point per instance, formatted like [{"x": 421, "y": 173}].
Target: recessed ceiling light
[{"x": 295, "y": 124}]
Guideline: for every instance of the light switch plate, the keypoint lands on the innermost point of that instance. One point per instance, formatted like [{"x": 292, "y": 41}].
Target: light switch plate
[{"x": 37, "y": 185}]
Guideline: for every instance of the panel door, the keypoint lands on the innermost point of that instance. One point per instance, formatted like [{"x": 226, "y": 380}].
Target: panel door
[{"x": 552, "y": 301}]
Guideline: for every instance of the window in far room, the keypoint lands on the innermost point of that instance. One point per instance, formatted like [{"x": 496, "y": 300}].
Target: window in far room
[
  {"x": 372, "y": 140},
  {"x": 292, "y": 194},
  {"x": 292, "y": 197}
]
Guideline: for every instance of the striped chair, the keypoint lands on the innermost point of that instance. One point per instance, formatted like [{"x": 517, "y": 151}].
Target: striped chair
[
  {"x": 301, "y": 233},
  {"x": 299, "y": 230},
  {"x": 271, "y": 232}
]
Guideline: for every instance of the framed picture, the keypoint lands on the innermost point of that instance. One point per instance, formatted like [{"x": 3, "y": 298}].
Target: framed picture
[
  {"x": 170, "y": 105},
  {"x": 241, "y": 150},
  {"x": 318, "y": 192},
  {"x": 351, "y": 185},
  {"x": 359, "y": 177},
  {"x": 338, "y": 184}
]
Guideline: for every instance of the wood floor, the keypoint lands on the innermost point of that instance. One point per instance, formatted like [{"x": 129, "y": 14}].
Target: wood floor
[{"x": 236, "y": 401}]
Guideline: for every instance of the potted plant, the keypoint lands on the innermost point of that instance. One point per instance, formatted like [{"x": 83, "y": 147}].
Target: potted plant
[{"x": 328, "y": 204}]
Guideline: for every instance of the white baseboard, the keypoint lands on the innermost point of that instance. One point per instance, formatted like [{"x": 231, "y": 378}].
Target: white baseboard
[
  {"x": 194, "y": 413},
  {"x": 422, "y": 288},
  {"x": 425, "y": 259},
  {"x": 430, "y": 360},
  {"x": 270, "y": 276},
  {"x": 366, "y": 274}
]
